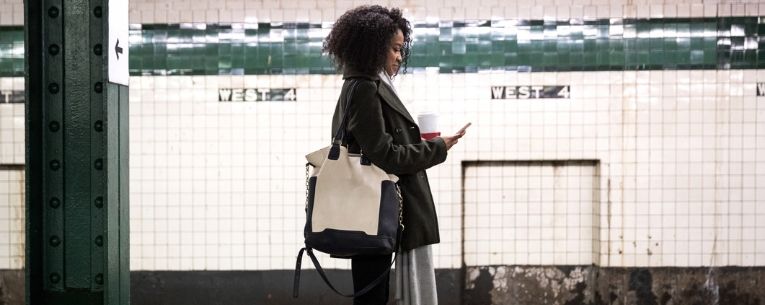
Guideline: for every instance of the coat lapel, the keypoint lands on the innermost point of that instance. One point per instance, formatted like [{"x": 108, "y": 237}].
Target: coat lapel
[
  {"x": 386, "y": 92},
  {"x": 390, "y": 97}
]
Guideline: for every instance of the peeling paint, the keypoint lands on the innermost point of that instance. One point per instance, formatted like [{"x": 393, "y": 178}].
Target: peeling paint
[
  {"x": 641, "y": 282},
  {"x": 591, "y": 285},
  {"x": 529, "y": 285},
  {"x": 11, "y": 287},
  {"x": 480, "y": 286},
  {"x": 711, "y": 285}
]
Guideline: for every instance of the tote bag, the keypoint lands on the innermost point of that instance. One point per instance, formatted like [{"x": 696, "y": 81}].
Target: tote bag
[{"x": 352, "y": 206}]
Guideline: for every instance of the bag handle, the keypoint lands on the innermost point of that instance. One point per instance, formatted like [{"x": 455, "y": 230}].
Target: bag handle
[{"x": 298, "y": 264}]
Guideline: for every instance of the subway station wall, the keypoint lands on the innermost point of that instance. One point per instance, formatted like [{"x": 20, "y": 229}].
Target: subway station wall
[
  {"x": 620, "y": 134},
  {"x": 219, "y": 184}
]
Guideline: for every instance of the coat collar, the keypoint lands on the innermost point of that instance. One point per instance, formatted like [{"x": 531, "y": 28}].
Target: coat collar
[
  {"x": 385, "y": 91},
  {"x": 349, "y": 72},
  {"x": 390, "y": 97}
]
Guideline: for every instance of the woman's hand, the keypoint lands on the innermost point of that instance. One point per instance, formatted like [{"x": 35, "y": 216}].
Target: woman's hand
[{"x": 451, "y": 140}]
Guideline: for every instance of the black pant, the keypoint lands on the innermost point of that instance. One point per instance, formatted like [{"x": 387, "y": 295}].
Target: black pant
[{"x": 366, "y": 269}]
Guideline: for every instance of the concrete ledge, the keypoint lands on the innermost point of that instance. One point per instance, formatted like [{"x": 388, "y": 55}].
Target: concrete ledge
[
  {"x": 257, "y": 287},
  {"x": 11, "y": 287},
  {"x": 506, "y": 285}
]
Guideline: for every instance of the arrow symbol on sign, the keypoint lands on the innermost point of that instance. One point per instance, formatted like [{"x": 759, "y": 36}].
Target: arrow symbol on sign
[{"x": 117, "y": 49}]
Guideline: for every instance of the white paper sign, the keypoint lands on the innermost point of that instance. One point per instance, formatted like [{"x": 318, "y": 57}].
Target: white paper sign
[{"x": 118, "y": 42}]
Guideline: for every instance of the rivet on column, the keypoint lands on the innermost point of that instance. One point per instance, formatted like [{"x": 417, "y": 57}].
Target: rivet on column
[
  {"x": 55, "y": 241},
  {"x": 53, "y": 88},
  {"x": 53, "y": 49},
  {"x": 55, "y": 165},
  {"x": 54, "y": 126},
  {"x": 55, "y": 278},
  {"x": 54, "y": 202},
  {"x": 53, "y": 12}
]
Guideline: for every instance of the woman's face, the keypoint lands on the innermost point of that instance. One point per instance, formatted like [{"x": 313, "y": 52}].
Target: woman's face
[{"x": 393, "y": 61}]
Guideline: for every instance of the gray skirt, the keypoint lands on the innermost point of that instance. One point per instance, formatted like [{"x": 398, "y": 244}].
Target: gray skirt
[{"x": 415, "y": 277}]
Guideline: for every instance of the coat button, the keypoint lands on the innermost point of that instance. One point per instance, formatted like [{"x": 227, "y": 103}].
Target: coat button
[{"x": 398, "y": 130}]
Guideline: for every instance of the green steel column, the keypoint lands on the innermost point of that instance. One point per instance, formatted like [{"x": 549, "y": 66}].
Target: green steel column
[{"x": 76, "y": 157}]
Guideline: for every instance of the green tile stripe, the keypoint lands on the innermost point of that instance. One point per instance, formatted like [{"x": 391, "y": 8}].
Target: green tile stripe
[
  {"x": 11, "y": 51},
  {"x": 449, "y": 47}
]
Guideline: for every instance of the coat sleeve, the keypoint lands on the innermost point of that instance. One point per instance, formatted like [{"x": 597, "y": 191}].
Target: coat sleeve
[{"x": 366, "y": 123}]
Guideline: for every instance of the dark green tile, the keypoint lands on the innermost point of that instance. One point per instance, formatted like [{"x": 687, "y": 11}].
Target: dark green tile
[
  {"x": 616, "y": 59},
  {"x": 686, "y": 44},
  {"x": 511, "y": 59}
]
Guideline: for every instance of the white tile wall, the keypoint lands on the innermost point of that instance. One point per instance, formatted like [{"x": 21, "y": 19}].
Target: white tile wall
[
  {"x": 11, "y": 218},
  {"x": 175, "y": 11},
  {"x": 676, "y": 175},
  {"x": 11, "y": 124},
  {"x": 536, "y": 213},
  {"x": 213, "y": 183},
  {"x": 11, "y": 12},
  {"x": 220, "y": 185},
  {"x": 149, "y": 11}
]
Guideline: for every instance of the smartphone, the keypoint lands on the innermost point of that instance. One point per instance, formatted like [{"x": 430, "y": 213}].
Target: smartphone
[{"x": 462, "y": 130}]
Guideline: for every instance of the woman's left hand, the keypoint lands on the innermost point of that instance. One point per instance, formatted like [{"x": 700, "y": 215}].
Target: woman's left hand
[{"x": 451, "y": 140}]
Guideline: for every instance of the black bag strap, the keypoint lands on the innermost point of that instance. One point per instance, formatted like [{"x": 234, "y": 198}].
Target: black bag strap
[
  {"x": 298, "y": 264},
  {"x": 337, "y": 140},
  {"x": 326, "y": 279},
  {"x": 343, "y": 128}
]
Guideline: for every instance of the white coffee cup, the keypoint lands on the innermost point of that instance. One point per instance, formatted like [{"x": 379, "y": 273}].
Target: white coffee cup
[{"x": 428, "y": 122}]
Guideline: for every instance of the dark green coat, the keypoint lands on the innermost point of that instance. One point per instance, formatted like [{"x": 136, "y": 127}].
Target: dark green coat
[{"x": 384, "y": 130}]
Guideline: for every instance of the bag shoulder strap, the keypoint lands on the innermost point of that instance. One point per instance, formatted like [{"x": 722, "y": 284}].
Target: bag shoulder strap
[
  {"x": 296, "y": 285},
  {"x": 343, "y": 128}
]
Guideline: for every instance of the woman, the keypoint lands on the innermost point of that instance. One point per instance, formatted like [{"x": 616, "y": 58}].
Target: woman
[{"x": 369, "y": 44}]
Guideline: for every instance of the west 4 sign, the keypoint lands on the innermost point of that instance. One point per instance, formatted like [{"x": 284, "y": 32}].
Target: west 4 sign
[
  {"x": 11, "y": 96},
  {"x": 529, "y": 92},
  {"x": 118, "y": 42},
  {"x": 257, "y": 94}
]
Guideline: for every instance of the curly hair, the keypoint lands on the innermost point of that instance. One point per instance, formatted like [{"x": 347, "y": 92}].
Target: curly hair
[{"x": 360, "y": 38}]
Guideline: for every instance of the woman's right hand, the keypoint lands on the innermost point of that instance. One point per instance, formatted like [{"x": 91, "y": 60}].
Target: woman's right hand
[{"x": 451, "y": 140}]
